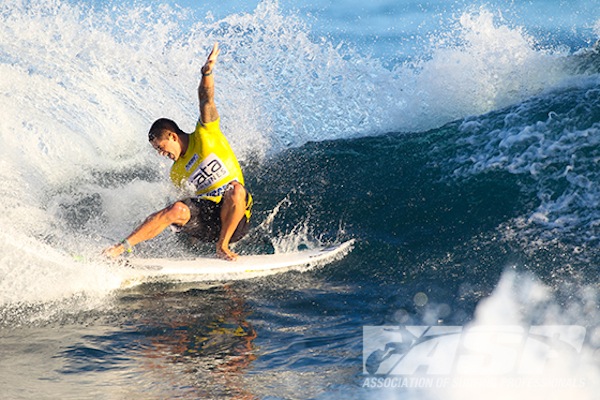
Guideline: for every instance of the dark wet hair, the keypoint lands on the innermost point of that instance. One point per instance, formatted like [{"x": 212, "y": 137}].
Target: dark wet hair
[{"x": 160, "y": 126}]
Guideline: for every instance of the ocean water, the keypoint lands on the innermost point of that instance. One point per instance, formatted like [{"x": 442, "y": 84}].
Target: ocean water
[{"x": 458, "y": 142}]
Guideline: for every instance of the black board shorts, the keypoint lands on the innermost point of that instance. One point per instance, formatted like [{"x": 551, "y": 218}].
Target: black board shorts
[{"x": 205, "y": 221}]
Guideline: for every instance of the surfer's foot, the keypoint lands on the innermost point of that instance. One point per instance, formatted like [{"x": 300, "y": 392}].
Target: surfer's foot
[{"x": 226, "y": 254}]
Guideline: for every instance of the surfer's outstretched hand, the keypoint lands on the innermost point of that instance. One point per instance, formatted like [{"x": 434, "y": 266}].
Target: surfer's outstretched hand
[
  {"x": 113, "y": 251},
  {"x": 211, "y": 60}
]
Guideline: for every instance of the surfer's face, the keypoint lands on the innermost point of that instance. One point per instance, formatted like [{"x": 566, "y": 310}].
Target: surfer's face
[{"x": 168, "y": 146}]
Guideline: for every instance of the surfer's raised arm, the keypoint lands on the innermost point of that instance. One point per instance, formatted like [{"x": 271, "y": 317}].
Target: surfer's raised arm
[{"x": 206, "y": 88}]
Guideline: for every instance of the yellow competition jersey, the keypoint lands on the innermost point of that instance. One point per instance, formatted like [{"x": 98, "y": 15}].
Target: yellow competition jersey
[{"x": 208, "y": 164}]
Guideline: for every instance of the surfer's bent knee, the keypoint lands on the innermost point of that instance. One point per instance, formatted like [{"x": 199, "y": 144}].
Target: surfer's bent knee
[
  {"x": 236, "y": 192},
  {"x": 178, "y": 213}
]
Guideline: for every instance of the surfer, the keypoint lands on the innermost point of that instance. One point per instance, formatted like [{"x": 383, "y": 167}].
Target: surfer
[{"x": 221, "y": 206}]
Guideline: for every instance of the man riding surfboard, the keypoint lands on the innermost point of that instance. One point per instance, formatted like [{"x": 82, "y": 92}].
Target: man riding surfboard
[{"x": 221, "y": 207}]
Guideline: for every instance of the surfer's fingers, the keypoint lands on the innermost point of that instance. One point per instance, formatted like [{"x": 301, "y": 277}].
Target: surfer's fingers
[
  {"x": 212, "y": 57},
  {"x": 211, "y": 60}
]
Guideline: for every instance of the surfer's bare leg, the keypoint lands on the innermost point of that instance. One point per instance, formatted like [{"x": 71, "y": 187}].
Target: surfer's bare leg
[
  {"x": 177, "y": 214},
  {"x": 232, "y": 212}
]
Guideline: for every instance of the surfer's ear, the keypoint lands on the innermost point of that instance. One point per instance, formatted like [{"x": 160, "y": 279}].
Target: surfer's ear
[{"x": 172, "y": 136}]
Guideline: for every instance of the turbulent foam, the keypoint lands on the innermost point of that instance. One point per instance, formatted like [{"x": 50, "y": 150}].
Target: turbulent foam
[
  {"x": 33, "y": 272},
  {"x": 553, "y": 142}
]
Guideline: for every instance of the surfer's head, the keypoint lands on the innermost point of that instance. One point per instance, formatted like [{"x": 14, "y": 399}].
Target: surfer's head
[{"x": 165, "y": 137}]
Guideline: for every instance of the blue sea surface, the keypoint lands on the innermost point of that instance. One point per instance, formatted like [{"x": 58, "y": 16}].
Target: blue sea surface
[{"x": 458, "y": 143}]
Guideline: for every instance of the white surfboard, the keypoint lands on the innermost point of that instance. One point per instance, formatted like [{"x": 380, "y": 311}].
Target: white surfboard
[{"x": 143, "y": 270}]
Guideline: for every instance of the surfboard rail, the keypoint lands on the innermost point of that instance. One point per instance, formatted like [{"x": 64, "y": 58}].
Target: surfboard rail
[{"x": 201, "y": 269}]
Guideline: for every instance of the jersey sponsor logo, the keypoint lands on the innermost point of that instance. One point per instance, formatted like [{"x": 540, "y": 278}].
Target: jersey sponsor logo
[
  {"x": 210, "y": 170},
  {"x": 191, "y": 163},
  {"x": 218, "y": 192}
]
